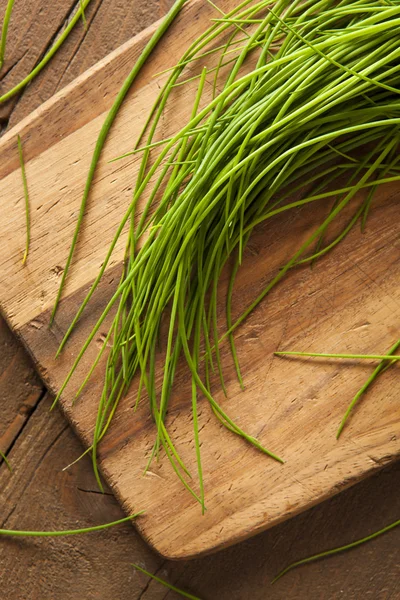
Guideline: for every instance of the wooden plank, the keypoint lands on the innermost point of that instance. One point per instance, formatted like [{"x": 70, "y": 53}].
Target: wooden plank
[{"x": 351, "y": 301}]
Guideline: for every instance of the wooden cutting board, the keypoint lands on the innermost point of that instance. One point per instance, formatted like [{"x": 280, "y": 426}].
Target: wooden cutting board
[{"x": 349, "y": 302}]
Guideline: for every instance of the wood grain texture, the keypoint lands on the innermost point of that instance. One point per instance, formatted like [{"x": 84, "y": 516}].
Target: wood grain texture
[
  {"x": 40, "y": 494},
  {"x": 351, "y": 301},
  {"x": 28, "y": 39},
  {"x": 110, "y": 24},
  {"x": 97, "y": 566},
  {"x": 20, "y": 388},
  {"x": 70, "y": 500}
]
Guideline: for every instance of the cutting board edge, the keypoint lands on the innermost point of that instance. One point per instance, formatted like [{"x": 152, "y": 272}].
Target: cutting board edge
[
  {"x": 193, "y": 549},
  {"x": 257, "y": 527},
  {"x": 262, "y": 527}
]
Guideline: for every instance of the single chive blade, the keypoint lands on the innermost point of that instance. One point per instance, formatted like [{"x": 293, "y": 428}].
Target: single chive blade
[
  {"x": 6, "y": 461},
  {"x": 169, "y": 18},
  {"x": 165, "y": 583},
  {"x": 333, "y": 551},
  {"x": 4, "y": 31},
  {"x": 46, "y": 59},
  {"x": 19, "y": 533},
  {"x": 331, "y": 355},
  {"x": 82, "y": 9},
  {"x": 26, "y": 197}
]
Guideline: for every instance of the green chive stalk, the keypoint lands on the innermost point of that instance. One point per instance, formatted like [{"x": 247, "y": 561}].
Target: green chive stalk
[
  {"x": 18, "y": 533},
  {"x": 334, "y": 551},
  {"x": 6, "y": 461},
  {"x": 46, "y": 59},
  {"x": 348, "y": 356},
  {"x": 386, "y": 360},
  {"x": 165, "y": 583},
  {"x": 4, "y": 31}
]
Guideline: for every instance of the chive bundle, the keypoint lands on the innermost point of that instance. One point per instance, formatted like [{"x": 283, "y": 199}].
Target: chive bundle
[{"x": 306, "y": 96}]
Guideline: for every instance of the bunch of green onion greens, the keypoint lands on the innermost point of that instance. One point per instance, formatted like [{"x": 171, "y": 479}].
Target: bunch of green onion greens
[{"x": 305, "y": 110}]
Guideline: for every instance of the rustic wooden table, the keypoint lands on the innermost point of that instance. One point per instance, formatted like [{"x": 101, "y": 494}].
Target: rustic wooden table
[{"x": 39, "y": 495}]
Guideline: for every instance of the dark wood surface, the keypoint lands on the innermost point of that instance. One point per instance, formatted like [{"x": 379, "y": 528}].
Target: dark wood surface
[{"x": 39, "y": 495}]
